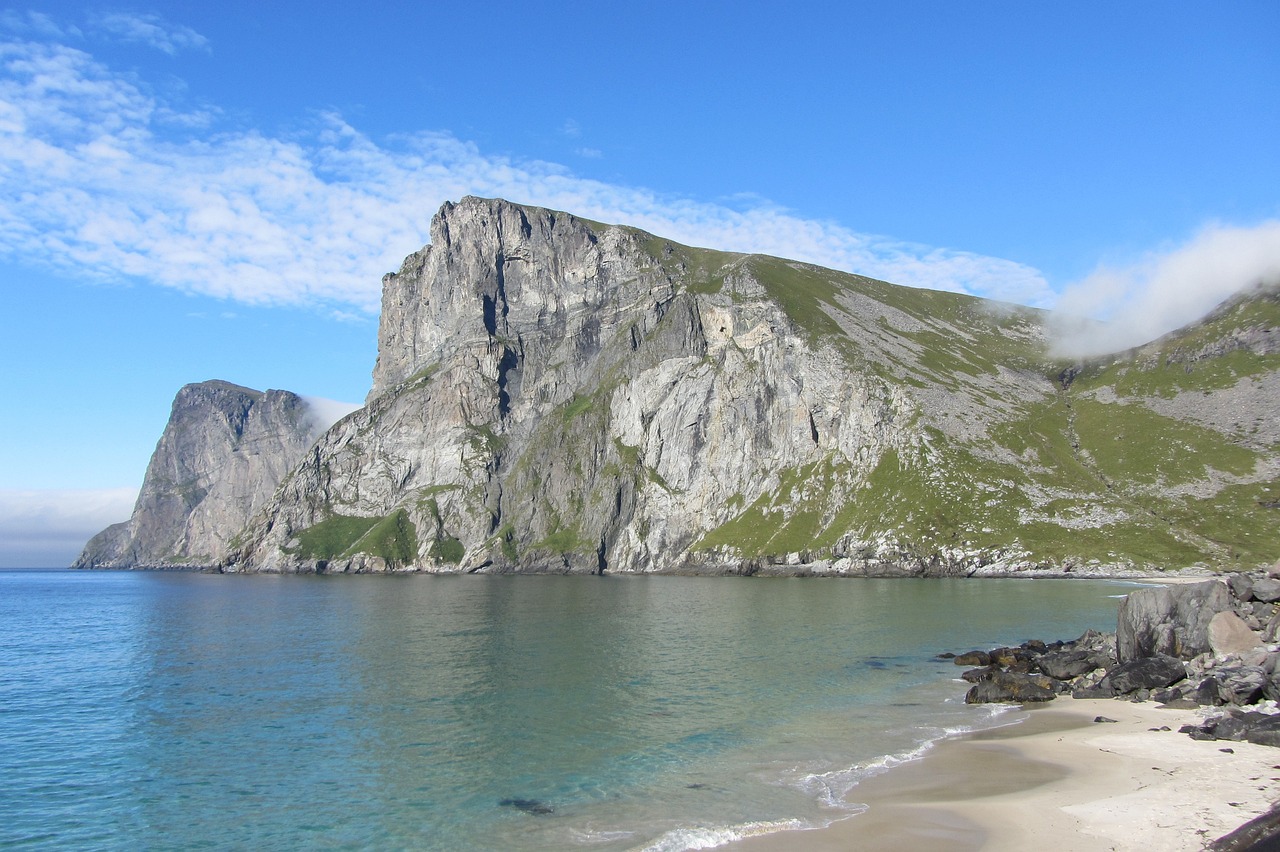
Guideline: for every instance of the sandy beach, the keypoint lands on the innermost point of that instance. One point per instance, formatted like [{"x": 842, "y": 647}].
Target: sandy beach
[{"x": 1058, "y": 779}]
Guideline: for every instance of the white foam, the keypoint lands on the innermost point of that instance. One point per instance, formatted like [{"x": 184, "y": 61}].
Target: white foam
[{"x": 709, "y": 837}]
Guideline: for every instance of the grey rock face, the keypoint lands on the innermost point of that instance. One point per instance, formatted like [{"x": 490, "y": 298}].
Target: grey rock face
[
  {"x": 222, "y": 454},
  {"x": 550, "y": 395},
  {"x": 1171, "y": 621}
]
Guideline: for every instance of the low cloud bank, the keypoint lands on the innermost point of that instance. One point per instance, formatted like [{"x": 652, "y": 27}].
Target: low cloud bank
[
  {"x": 1119, "y": 307},
  {"x": 48, "y": 529},
  {"x": 326, "y": 412}
]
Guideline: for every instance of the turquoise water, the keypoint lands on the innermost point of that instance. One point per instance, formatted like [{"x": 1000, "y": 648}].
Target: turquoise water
[{"x": 191, "y": 711}]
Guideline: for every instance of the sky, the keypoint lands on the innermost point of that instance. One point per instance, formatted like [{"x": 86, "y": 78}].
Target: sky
[{"x": 191, "y": 191}]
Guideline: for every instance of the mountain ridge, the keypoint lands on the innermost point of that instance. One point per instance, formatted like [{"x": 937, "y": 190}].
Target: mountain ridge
[{"x": 555, "y": 394}]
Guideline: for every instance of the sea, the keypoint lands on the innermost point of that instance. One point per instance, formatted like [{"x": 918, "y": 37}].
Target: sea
[{"x": 200, "y": 711}]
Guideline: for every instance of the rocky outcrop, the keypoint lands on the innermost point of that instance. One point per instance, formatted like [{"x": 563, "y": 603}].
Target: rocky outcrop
[
  {"x": 1239, "y": 672},
  {"x": 1173, "y": 621},
  {"x": 222, "y": 454}
]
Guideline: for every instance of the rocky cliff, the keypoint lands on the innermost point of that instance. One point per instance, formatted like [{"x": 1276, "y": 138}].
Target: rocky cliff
[
  {"x": 222, "y": 454},
  {"x": 555, "y": 394}
]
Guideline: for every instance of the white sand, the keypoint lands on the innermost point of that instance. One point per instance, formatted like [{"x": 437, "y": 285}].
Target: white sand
[{"x": 1059, "y": 780}]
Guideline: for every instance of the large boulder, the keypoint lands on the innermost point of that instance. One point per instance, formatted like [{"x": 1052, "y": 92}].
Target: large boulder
[
  {"x": 1012, "y": 688},
  {"x": 1169, "y": 620},
  {"x": 1145, "y": 673},
  {"x": 1242, "y": 685},
  {"x": 1267, "y": 591},
  {"x": 1065, "y": 665},
  {"x": 1228, "y": 634},
  {"x": 1241, "y": 586}
]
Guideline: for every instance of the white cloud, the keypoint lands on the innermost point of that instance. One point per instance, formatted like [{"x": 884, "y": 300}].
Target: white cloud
[
  {"x": 34, "y": 23},
  {"x": 1166, "y": 290},
  {"x": 151, "y": 30},
  {"x": 327, "y": 412},
  {"x": 101, "y": 178},
  {"x": 50, "y": 528}
]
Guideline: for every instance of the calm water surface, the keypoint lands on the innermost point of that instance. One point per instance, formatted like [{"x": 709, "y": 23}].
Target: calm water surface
[{"x": 194, "y": 711}]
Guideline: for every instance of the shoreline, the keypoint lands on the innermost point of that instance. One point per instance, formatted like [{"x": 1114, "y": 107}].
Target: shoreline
[{"x": 1057, "y": 779}]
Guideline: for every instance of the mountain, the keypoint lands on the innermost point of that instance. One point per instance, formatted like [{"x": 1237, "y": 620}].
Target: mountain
[
  {"x": 223, "y": 452},
  {"x": 556, "y": 394}
]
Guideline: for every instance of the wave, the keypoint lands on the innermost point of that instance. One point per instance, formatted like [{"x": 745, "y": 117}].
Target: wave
[
  {"x": 685, "y": 839},
  {"x": 831, "y": 789}
]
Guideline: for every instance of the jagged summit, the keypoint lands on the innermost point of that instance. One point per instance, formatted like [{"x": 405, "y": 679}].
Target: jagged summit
[{"x": 555, "y": 394}]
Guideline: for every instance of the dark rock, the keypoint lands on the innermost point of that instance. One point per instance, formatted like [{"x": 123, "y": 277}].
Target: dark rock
[
  {"x": 1009, "y": 656},
  {"x": 1208, "y": 692},
  {"x": 1263, "y": 736},
  {"x": 1259, "y": 834},
  {"x": 1241, "y": 586},
  {"x": 1092, "y": 640},
  {"x": 1145, "y": 673},
  {"x": 1179, "y": 704},
  {"x": 1092, "y": 692},
  {"x": 1232, "y": 728},
  {"x": 1035, "y": 645},
  {"x": 1103, "y": 719},
  {"x": 1242, "y": 685},
  {"x": 946, "y": 655},
  {"x": 1227, "y": 750},
  {"x": 1064, "y": 665},
  {"x": 973, "y": 658},
  {"x": 1169, "y": 621},
  {"x": 1240, "y": 726},
  {"x": 1009, "y": 688},
  {"x": 978, "y": 675}
]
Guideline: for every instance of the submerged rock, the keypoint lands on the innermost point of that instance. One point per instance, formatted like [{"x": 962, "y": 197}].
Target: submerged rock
[{"x": 537, "y": 807}]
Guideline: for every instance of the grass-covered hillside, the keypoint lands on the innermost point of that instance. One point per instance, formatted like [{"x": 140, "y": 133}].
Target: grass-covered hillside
[{"x": 1164, "y": 456}]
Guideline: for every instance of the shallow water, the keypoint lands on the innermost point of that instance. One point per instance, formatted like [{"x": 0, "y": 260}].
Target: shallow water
[{"x": 190, "y": 710}]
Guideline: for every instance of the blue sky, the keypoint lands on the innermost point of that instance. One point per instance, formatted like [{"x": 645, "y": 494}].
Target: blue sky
[{"x": 193, "y": 190}]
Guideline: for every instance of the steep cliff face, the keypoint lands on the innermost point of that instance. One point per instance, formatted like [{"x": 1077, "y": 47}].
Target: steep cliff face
[
  {"x": 222, "y": 454},
  {"x": 554, "y": 394}
]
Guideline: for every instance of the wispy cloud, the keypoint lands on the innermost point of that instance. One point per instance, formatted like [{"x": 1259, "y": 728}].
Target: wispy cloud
[
  {"x": 151, "y": 30},
  {"x": 50, "y": 528},
  {"x": 1165, "y": 290},
  {"x": 34, "y": 23},
  {"x": 100, "y": 177}
]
